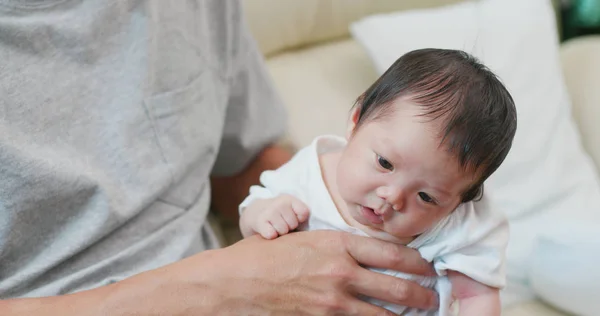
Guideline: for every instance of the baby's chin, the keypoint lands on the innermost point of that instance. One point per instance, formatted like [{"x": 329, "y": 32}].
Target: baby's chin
[
  {"x": 374, "y": 230},
  {"x": 381, "y": 234}
]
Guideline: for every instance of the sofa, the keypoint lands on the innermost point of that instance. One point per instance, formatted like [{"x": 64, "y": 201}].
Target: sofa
[{"x": 319, "y": 70}]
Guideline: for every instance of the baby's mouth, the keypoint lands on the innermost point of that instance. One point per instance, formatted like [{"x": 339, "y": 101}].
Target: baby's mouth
[{"x": 370, "y": 215}]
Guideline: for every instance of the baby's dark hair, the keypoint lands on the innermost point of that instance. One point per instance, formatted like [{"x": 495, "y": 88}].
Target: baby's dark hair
[{"x": 477, "y": 113}]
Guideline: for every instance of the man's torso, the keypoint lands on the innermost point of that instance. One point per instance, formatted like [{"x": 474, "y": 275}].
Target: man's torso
[{"x": 110, "y": 120}]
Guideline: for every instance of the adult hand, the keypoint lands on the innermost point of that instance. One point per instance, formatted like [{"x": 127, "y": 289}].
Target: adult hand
[{"x": 305, "y": 273}]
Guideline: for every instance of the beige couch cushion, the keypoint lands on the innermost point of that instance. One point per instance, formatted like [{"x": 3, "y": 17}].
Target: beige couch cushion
[
  {"x": 580, "y": 59},
  {"x": 319, "y": 86},
  {"x": 282, "y": 24},
  {"x": 279, "y": 25}
]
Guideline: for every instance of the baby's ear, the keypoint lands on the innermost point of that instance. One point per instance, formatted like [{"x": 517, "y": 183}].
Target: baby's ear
[{"x": 353, "y": 119}]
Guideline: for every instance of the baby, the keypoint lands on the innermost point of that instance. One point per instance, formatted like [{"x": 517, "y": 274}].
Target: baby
[{"x": 420, "y": 143}]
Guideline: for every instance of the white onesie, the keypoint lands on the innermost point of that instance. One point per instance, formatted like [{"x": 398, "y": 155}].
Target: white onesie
[{"x": 471, "y": 240}]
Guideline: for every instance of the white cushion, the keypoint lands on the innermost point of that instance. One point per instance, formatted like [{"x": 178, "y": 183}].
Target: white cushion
[
  {"x": 547, "y": 177},
  {"x": 564, "y": 267}
]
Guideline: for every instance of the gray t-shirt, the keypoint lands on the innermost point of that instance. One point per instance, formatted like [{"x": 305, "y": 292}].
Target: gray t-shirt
[{"x": 113, "y": 114}]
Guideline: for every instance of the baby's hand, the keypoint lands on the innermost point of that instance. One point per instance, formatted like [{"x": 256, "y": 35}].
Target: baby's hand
[{"x": 273, "y": 217}]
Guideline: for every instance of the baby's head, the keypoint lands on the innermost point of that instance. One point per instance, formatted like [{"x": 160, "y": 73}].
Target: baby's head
[{"x": 423, "y": 139}]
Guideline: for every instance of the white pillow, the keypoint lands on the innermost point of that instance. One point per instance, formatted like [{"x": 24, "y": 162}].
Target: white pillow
[
  {"x": 547, "y": 178},
  {"x": 564, "y": 267}
]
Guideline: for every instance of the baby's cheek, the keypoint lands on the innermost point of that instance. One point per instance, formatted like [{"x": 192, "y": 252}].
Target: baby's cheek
[
  {"x": 353, "y": 190},
  {"x": 417, "y": 221}
]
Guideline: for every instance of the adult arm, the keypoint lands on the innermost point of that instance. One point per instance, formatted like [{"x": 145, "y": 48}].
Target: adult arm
[
  {"x": 314, "y": 273},
  {"x": 229, "y": 191}
]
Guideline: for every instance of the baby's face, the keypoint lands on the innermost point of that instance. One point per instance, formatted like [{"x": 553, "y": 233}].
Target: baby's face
[{"x": 396, "y": 179}]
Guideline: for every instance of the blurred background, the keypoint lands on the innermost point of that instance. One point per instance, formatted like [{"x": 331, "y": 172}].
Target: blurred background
[
  {"x": 322, "y": 54},
  {"x": 580, "y": 17}
]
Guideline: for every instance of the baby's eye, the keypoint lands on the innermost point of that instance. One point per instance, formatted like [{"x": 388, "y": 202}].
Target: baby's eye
[
  {"x": 426, "y": 198},
  {"x": 384, "y": 163}
]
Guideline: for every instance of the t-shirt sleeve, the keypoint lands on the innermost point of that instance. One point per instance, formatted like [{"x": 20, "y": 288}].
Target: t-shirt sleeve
[
  {"x": 255, "y": 115},
  {"x": 471, "y": 241},
  {"x": 291, "y": 178}
]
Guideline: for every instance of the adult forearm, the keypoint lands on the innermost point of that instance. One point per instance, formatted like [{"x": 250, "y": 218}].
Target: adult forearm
[
  {"x": 84, "y": 303},
  {"x": 322, "y": 275},
  {"x": 164, "y": 291},
  {"x": 229, "y": 192}
]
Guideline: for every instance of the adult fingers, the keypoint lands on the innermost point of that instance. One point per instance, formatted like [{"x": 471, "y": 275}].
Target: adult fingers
[
  {"x": 393, "y": 290},
  {"x": 382, "y": 254},
  {"x": 361, "y": 308}
]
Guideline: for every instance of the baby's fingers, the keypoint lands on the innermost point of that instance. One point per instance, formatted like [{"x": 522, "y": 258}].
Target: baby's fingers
[
  {"x": 266, "y": 230},
  {"x": 290, "y": 217},
  {"x": 301, "y": 210},
  {"x": 279, "y": 223}
]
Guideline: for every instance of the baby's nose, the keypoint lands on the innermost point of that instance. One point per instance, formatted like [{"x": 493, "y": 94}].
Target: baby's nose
[
  {"x": 397, "y": 203},
  {"x": 392, "y": 196}
]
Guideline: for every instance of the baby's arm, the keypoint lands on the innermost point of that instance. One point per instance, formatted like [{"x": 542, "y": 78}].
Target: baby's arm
[
  {"x": 273, "y": 217},
  {"x": 474, "y": 298}
]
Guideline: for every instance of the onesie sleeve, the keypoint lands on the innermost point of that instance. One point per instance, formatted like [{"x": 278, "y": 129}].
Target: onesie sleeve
[
  {"x": 288, "y": 179},
  {"x": 472, "y": 241}
]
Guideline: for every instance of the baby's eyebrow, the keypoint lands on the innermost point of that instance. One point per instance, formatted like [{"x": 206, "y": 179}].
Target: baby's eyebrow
[
  {"x": 437, "y": 189},
  {"x": 443, "y": 192},
  {"x": 386, "y": 143}
]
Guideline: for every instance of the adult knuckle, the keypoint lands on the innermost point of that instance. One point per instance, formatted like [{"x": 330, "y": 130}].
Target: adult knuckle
[
  {"x": 329, "y": 240},
  {"x": 393, "y": 254},
  {"x": 340, "y": 270},
  {"x": 400, "y": 290},
  {"x": 333, "y": 303}
]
